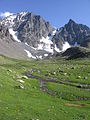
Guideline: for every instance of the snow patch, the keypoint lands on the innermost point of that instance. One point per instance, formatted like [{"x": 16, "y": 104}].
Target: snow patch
[
  {"x": 66, "y": 45},
  {"x": 9, "y": 20},
  {"x": 14, "y": 34},
  {"x": 23, "y": 13},
  {"x": 29, "y": 54},
  {"x": 39, "y": 57},
  {"x": 20, "y": 16},
  {"x": 46, "y": 44},
  {"x": 26, "y": 44},
  {"x": 45, "y": 55},
  {"x": 46, "y": 40},
  {"x": 21, "y": 81},
  {"x": 54, "y": 32},
  {"x": 57, "y": 49}
]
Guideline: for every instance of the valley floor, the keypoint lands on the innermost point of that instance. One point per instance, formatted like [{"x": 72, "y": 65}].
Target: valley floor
[{"x": 44, "y": 90}]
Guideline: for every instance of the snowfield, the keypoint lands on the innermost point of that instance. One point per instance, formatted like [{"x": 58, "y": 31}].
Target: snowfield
[{"x": 14, "y": 34}]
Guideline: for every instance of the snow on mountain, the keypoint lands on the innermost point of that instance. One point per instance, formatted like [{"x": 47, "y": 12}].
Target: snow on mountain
[
  {"x": 45, "y": 55},
  {"x": 29, "y": 54},
  {"x": 35, "y": 33},
  {"x": 14, "y": 34},
  {"x": 66, "y": 45},
  {"x": 47, "y": 44},
  {"x": 34, "y": 57},
  {"x": 56, "y": 49},
  {"x": 9, "y": 20}
]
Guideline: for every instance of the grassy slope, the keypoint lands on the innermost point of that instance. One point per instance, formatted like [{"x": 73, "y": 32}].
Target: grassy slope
[{"x": 31, "y": 103}]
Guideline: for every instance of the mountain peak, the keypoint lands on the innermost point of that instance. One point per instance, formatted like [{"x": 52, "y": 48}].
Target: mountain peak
[{"x": 71, "y": 21}]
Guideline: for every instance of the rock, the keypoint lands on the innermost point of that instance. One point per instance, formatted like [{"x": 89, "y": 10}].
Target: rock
[
  {"x": 78, "y": 77},
  {"x": 38, "y": 71},
  {"x": 24, "y": 77},
  {"x": 21, "y": 81},
  {"x": 53, "y": 73},
  {"x": 65, "y": 74},
  {"x": 19, "y": 86}
]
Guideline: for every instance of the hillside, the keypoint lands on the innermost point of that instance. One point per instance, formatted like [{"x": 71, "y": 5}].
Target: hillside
[{"x": 76, "y": 52}]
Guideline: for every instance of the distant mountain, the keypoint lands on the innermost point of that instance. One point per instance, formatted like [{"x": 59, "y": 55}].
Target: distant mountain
[
  {"x": 72, "y": 33},
  {"x": 30, "y": 36}
]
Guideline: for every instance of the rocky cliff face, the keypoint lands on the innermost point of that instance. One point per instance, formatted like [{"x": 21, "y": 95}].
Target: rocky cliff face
[
  {"x": 86, "y": 42},
  {"x": 72, "y": 33},
  {"x": 25, "y": 35},
  {"x": 4, "y": 33},
  {"x": 28, "y": 27}
]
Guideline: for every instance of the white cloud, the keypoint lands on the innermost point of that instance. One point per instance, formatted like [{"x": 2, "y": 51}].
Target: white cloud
[{"x": 5, "y": 14}]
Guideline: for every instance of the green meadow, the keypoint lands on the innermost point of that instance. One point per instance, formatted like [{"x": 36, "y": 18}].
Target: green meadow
[{"x": 53, "y": 89}]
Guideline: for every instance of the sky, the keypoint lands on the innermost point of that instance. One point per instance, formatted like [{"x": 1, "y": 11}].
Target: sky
[{"x": 57, "y": 12}]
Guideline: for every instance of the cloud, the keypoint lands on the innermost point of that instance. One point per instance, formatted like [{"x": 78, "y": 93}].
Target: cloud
[{"x": 5, "y": 14}]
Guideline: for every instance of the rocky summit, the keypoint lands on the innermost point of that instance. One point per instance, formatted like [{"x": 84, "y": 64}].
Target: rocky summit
[
  {"x": 72, "y": 33},
  {"x": 26, "y": 35}
]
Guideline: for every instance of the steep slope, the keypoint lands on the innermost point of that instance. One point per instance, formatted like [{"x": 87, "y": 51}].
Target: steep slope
[
  {"x": 30, "y": 36},
  {"x": 76, "y": 52},
  {"x": 30, "y": 29},
  {"x": 86, "y": 42},
  {"x": 34, "y": 31},
  {"x": 72, "y": 34},
  {"x": 16, "y": 49},
  {"x": 4, "y": 33}
]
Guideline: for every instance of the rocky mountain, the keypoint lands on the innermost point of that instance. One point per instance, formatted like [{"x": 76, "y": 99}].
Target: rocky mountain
[
  {"x": 26, "y": 35},
  {"x": 4, "y": 33},
  {"x": 86, "y": 42},
  {"x": 29, "y": 36},
  {"x": 72, "y": 33},
  {"x": 28, "y": 27}
]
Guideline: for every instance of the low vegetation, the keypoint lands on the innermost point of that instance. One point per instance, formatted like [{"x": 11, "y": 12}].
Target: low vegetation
[{"x": 44, "y": 90}]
